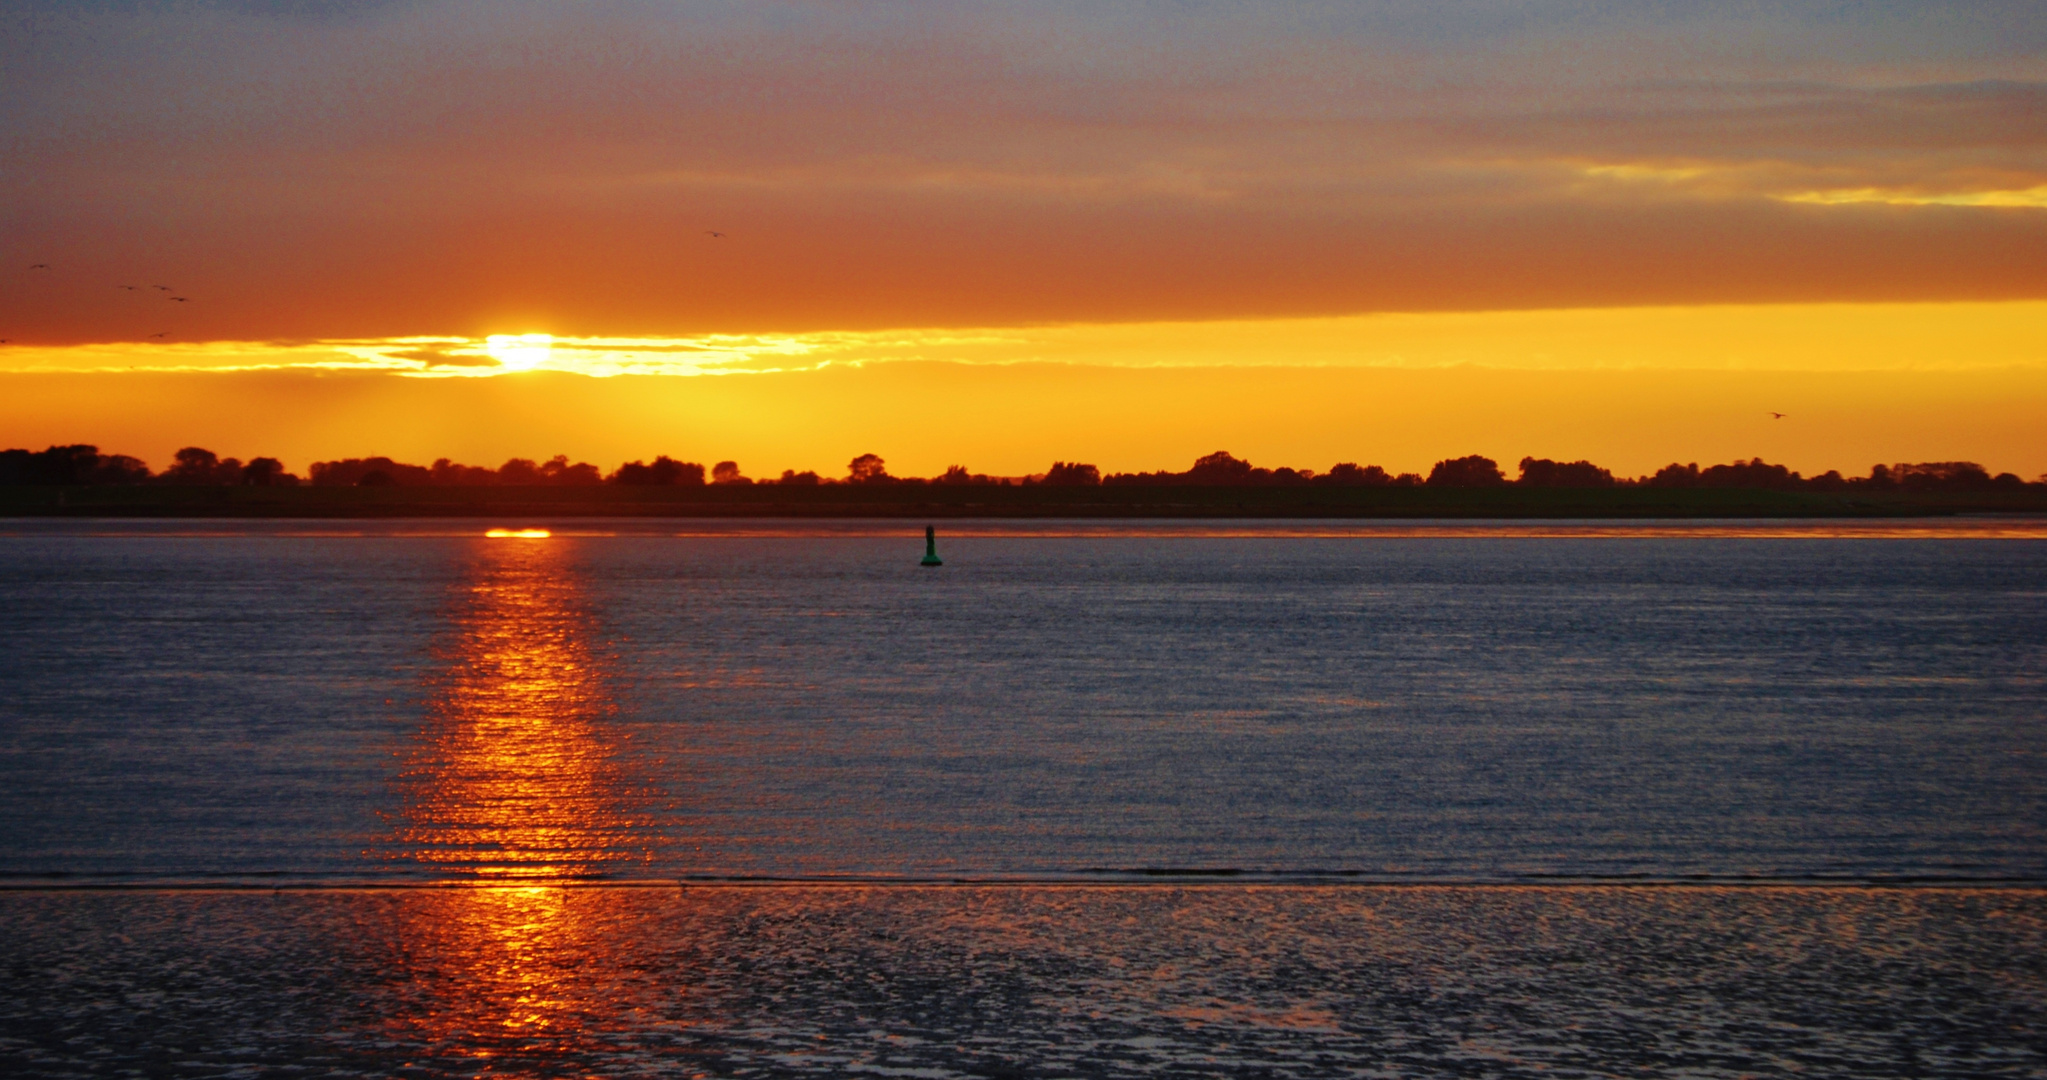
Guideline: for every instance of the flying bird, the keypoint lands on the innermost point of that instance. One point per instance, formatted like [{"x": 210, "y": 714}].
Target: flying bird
[
  {"x": 161, "y": 333},
  {"x": 714, "y": 234},
  {"x": 129, "y": 288},
  {"x": 39, "y": 266},
  {"x": 161, "y": 288},
  {"x": 1776, "y": 416},
  {"x": 180, "y": 299}
]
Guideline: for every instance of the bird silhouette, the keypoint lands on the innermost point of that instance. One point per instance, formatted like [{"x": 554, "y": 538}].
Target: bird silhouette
[
  {"x": 129, "y": 288},
  {"x": 39, "y": 266},
  {"x": 1776, "y": 416},
  {"x": 161, "y": 288},
  {"x": 714, "y": 234},
  {"x": 161, "y": 333},
  {"x": 180, "y": 299}
]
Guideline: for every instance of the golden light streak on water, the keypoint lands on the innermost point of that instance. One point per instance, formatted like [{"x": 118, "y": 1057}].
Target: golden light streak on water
[
  {"x": 519, "y": 773},
  {"x": 518, "y": 778}
]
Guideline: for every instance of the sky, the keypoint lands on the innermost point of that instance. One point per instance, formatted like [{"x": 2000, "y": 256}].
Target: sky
[{"x": 996, "y": 234}]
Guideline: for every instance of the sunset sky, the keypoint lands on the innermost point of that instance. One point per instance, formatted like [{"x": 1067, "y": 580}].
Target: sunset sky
[{"x": 998, "y": 234}]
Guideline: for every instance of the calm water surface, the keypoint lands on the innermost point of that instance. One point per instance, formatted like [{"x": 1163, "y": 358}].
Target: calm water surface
[
  {"x": 1751, "y": 709},
  {"x": 394, "y": 705}
]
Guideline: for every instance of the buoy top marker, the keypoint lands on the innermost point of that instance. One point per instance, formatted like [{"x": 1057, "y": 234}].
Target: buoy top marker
[{"x": 931, "y": 548}]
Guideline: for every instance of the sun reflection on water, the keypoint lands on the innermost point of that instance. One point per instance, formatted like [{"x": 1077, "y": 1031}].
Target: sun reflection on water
[
  {"x": 519, "y": 772},
  {"x": 517, "y": 783},
  {"x": 498, "y": 974}
]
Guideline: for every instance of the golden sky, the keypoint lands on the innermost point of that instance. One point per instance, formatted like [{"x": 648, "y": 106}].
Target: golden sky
[{"x": 999, "y": 234}]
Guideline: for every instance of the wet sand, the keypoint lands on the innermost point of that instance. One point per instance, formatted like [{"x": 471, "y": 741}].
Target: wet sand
[{"x": 1036, "y": 981}]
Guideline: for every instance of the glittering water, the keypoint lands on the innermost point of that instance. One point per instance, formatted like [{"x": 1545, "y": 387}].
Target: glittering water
[
  {"x": 341, "y": 709},
  {"x": 384, "y": 705}
]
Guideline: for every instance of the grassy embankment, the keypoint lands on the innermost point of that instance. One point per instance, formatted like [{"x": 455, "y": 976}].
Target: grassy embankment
[{"x": 942, "y": 501}]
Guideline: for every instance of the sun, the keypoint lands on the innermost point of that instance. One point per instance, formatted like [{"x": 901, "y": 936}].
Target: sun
[{"x": 520, "y": 352}]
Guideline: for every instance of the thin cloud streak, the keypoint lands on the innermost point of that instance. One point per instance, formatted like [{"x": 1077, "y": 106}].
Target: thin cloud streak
[{"x": 1764, "y": 338}]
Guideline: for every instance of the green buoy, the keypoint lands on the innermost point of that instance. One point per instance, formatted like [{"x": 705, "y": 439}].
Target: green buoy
[{"x": 931, "y": 548}]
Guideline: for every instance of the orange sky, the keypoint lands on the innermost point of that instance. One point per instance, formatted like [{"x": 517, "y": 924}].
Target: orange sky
[
  {"x": 1637, "y": 226},
  {"x": 1015, "y": 419}
]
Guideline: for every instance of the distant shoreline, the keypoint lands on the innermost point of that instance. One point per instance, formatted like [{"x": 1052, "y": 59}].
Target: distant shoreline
[{"x": 984, "y": 501}]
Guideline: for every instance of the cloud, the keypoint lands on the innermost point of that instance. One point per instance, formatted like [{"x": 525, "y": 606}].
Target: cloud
[
  {"x": 2031, "y": 198},
  {"x": 1754, "y": 338},
  {"x": 316, "y": 170}
]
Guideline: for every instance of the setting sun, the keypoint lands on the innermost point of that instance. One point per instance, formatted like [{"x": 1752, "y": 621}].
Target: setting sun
[
  {"x": 518, "y": 534},
  {"x": 520, "y": 352}
]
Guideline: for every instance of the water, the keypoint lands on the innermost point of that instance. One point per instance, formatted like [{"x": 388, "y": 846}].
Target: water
[
  {"x": 393, "y": 705},
  {"x": 1438, "y": 748}
]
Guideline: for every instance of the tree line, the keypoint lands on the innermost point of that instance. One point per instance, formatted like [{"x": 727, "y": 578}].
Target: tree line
[{"x": 81, "y": 464}]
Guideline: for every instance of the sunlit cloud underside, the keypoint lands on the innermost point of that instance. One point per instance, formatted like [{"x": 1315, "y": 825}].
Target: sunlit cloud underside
[
  {"x": 1799, "y": 337},
  {"x": 1779, "y": 182}
]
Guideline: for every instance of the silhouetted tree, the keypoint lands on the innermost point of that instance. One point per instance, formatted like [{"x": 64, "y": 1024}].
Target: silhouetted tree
[
  {"x": 1675, "y": 475},
  {"x": 267, "y": 472},
  {"x": 120, "y": 469},
  {"x": 684, "y": 473},
  {"x": 1471, "y": 471},
  {"x": 519, "y": 471},
  {"x": 350, "y": 472},
  {"x": 1942, "y": 475},
  {"x": 664, "y": 472},
  {"x": 958, "y": 474},
  {"x": 1219, "y": 468},
  {"x": 196, "y": 466},
  {"x": 1072, "y": 474},
  {"x": 84, "y": 464},
  {"x": 1143, "y": 479},
  {"x": 868, "y": 469},
  {"x": 445, "y": 473},
  {"x": 1350, "y": 474},
  {"x": 17, "y": 468},
  {"x": 558, "y": 470},
  {"x": 75, "y": 464},
  {"x": 191, "y": 465},
  {"x": 1754, "y": 473},
  {"x": 70, "y": 464},
  {"x": 1542, "y": 472}
]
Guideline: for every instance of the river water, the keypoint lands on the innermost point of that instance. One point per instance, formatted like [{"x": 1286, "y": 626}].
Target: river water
[{"x": 1089, "y": 799}]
